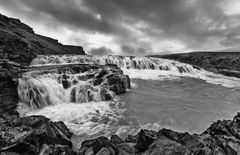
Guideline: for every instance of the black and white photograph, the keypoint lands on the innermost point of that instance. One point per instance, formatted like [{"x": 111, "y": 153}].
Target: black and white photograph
[{"x": 119, "y": 77}]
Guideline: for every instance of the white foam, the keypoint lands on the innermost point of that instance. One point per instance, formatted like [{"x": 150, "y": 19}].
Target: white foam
[
  {"x": 143, "y": 67},
  {"x": 87, "y": 118},
  {"x": 209, "y": 77}
]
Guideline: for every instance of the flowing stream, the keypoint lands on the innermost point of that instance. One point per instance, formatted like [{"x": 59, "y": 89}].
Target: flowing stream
[{"x": 164, "y": 93}]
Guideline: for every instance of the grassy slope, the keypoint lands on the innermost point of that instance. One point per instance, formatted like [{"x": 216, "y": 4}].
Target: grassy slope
[{"x": 19, "y": 43}]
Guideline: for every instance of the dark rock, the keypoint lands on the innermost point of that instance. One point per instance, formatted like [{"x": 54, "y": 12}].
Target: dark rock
[
  {"x": 226, "y": 63},
  {"x": 97, "y": 144},
  {"x": 19, "y": 43},
  {"x": 131, "y": 139},
  {"x": 104, "y": 151},
  {"x": 66, "y": 84},
  {"x": 166, "y": 146},
  {"x": 30, "y": 134},
  {"x": 145, "y": 139},
  {"x": 73, "y": 95},
  {"x": 63, "y": 128},
  {"x": 116, "y": 140},
  {"x": 9, "y": 74},
  {"x": 126, "y": 149}
]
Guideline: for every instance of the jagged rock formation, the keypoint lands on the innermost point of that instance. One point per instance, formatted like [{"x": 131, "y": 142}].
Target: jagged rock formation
[
  {"x": 19, "y": 43},
  {"x": 33, "y": 135},
  {"x": 226, "y": 63},
  {"x": 221, "y": 138}
]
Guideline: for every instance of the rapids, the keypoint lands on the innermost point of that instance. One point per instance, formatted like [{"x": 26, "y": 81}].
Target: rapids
[
  {"x": 141, "y": 67},
  {"x": 164, "y": 93}
]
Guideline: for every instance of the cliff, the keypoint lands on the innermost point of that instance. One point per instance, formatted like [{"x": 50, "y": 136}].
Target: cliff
[
  {"x": 226, "y": 63},
  {"x": 19, "y": 43}
]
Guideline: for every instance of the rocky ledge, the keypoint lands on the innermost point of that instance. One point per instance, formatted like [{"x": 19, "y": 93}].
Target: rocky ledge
[
  {"x": 33, "y": 135},
  {"x": 9, "y": 74},
  {"x": 226, "y": 63}
]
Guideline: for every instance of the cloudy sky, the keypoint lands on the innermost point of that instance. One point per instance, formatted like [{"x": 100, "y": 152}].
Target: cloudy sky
[{"x": 134, "y": 27}]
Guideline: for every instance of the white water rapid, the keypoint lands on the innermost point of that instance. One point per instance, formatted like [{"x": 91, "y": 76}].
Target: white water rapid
[
  {"x": 142, "y": 67},
  {"x": 73, "y": 98}
]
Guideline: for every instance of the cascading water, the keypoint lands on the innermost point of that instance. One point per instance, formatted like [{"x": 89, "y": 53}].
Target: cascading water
[
  {"x": 142, "y": 67},
  {"x": 125, "y": 62},
  {"x": 62, "y": 88},
  {"x": 48, "y": 89}
]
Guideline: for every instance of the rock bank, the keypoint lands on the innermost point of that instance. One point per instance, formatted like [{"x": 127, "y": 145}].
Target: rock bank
[
  {"x": 226, "y": 63},
  {"x": 221, "y": 138}
]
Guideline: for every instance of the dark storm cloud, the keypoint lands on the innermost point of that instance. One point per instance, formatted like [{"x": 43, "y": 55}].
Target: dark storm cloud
[
  {"x": 67, "y": 12},
  {"x": 195, "y": 23},
  {"x": 101, "y": 51}
]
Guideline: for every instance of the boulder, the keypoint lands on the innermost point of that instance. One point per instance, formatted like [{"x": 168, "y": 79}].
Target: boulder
[
  {"x": 33, "y": 134},
  {"x": 98, "y": 144}
]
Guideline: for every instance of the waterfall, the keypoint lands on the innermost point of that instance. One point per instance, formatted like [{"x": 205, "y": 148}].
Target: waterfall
[
  {"x": 141, "y": 67},
  {"x": 83, "y": 90},
  {"x": 71, "y": 84},
  {"x": 124, "y": 62},
  {"x": 85, "y": 84},
  {"x": 52, "y": 89}
]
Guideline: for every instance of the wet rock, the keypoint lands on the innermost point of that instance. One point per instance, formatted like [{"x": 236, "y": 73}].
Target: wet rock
[
  {"x": 145, "y": 139},
  {"x": 9, "y": 74},
  {"x": 126, "y": 149},
  {"x": 116, "y": 140},
  {"x": 104, "y": 151},
  {"x": 73, "y": 95},
  {"x": 30, "y": 134},
  {"x": 65, "y": 82},
  {"x": 220, "y": 138},
  {"x": 131, "y": 139},
  {"x": 97, "y": 144}
]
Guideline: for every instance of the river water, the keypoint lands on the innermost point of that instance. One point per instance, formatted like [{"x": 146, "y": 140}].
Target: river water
[{"x": 164, "y": 94}]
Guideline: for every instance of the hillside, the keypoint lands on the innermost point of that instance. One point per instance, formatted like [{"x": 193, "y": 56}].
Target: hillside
[
  {"x": 227, "y": 63},
  {"x": 19, "y": 43}
]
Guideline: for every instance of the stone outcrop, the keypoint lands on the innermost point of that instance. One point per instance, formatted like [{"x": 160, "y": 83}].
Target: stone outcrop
[
  {"x": 221, "y": 138},
  {"x": 33, "y": 135},
  {"x": 37, "y": 134},
  {"x": 19, "y": 43},
  {"x": 9, "y": 74},
  {"x": 226, "y": 63}
]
